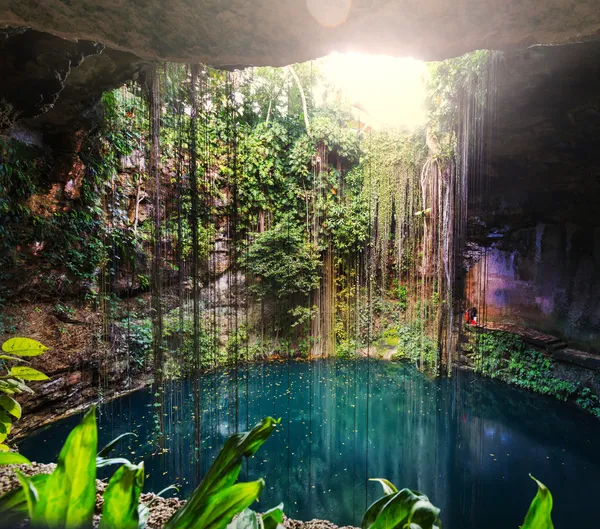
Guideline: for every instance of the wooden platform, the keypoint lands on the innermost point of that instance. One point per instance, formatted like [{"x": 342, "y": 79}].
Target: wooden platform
[{"x": 552, "y": 344}]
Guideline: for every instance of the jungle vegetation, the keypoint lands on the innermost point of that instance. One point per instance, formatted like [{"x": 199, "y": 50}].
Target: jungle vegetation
[{"x": 333, "y": 238}]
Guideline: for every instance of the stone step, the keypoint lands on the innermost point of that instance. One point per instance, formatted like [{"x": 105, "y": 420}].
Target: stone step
[
  {"x": 572, "y": 356},
  {"x": 556, "y": 346},
  {"x": 551, "y": 341}
]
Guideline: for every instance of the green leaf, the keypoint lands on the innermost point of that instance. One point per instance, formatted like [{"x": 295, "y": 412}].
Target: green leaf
[
  {"x": 218, "y": 509},
  {"x": 18, "y": 386},
  {"x": 11, "y": 406},
  {"x": 29, "y": 491},
  {"x": 28, "y": 373},
  {"x": 13, "y": 458},
  {"x": 107, "y": 461},
  {"x": 273, "y": 517},
  {"x": 5, "y": 422},
  {"x": 540, "y": 510},
  {"x": 23, "y": 347},
  {"x": 13, "y": 504},
  {"x": 122, "y": 498},
  {"x": 247, "y": 519},
  {"x": 405, "y": 508},
  {"x": 68, "y": 498},
  {"x": 225, "y": 469},
  {"x": 11, "y": 358},
  {"x": 105, "y": 452},
  {"x": 388, "y": 486},
  {"x": 373, "y": 511},
  {"x": 6, "y": 388}
]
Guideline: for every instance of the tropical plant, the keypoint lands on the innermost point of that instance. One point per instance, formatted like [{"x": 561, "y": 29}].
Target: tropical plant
[
  {"x": 66, "y": 498},
  {"x": 410, "y": 509},
  {"x": 248, "y": 519},
  {"x": 13, "y": 382},
  {"x": 405, "y": 508}
]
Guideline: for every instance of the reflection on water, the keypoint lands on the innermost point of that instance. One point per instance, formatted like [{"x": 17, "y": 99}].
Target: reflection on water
[{"x": 467, "y": 442}]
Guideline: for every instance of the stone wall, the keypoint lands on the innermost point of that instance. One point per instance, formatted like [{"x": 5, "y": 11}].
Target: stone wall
[{"x": 546, "y": 277}]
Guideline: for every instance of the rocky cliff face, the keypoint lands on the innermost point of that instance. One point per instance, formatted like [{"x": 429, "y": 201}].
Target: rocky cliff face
[{"x": 539, "y": 217}]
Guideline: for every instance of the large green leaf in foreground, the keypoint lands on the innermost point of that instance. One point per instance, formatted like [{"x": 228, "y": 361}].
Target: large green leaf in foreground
[
  {"x": 68, "y": 498},
  {"x": 13, "y": 504},
  {"x": 218, "y": 509},
  {"x": 13, "y": 458},
  {"x": 540, "y": 510},
  {"x": 220, "y": 478},
  {"x": 405, "y": 508},
  {"x": 122, "y": 498}
]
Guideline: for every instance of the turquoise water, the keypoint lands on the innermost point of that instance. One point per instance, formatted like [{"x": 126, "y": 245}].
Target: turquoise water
[{"x": 467, "y": 442}]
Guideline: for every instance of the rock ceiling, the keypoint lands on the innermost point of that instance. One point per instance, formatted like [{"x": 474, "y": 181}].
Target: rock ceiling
[{"x": 278, "y": 32}]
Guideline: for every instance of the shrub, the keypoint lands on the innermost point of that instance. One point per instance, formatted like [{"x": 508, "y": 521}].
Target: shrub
[{"x": 13, "y": 382}]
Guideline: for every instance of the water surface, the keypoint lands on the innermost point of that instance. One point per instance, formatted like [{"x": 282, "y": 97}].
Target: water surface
[{"x": 467, "y": 442}]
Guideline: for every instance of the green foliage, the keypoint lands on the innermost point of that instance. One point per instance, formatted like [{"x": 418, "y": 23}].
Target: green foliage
[
  {"x": 216, "y": 500},
  {"x": 248, "y": 519},
  {"x": 13, "y": 458},
  {"x": 507, "y": 357},
  {"x": 348, "y": 223},
  {"x": 411, "y": 343},
  {"x": 449, "y": 80},
  {"x": 13, "y": 382},
  {"x": 273, "y": 517},
  {"x": 66, "y": 498},
  {"x": 346, "y": 348},
  {"x": 122, "y": 498},
  {"x": 283, "y": 262},
  {"x": 411, "y": 509},
  {"x": 588, "y": 400},
  {"x": 13, "y": 504},
  {"x": 539, "y": 515},
  {"x": 139, "y": 339},
  {"x": 405, "y": 508},
  {"x": 400, "y": 293}
]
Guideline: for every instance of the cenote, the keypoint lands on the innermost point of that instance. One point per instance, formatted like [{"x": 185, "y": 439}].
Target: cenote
[
  {"x": 398, "y": 257},
  {"x": 467, "y": 442}
]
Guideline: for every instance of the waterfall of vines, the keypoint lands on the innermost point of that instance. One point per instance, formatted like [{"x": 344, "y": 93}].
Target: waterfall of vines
[
  {"x": 265, "y": 226},
  {"x": 227, "y": 216}
]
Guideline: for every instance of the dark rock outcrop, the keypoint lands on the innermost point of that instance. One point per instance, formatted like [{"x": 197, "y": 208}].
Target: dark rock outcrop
[
  {"x": 54, "y": 84},
  {"x": 272, "y": 32},
  {"x": 539, "y": 218}
]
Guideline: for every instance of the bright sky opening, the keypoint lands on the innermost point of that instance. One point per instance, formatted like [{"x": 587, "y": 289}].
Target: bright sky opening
[{"x": 390, "y": 89}]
